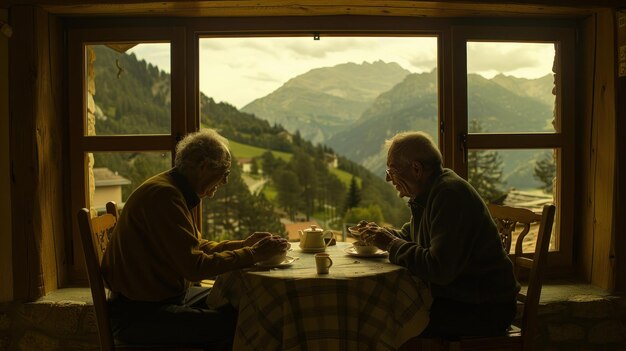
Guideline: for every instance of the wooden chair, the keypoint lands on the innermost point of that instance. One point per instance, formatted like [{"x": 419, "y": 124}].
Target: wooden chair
[
  {"x": 95, "y": 234},
  {"x": 507, "y": 219}
]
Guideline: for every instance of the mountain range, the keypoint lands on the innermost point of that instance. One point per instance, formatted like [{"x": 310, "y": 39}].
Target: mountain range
[
  {"x": 326, "y": 100},
  {"x": 353, "y": 108},
  {"x": 350, "y": 107}
]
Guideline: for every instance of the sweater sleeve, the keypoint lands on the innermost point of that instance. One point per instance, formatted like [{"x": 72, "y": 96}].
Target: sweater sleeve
[
  {"x": 184, "y": 251},
  {"x": 209, "y": 247},
  {"x": 452, "y": 237},
  {"x": 403, "y": 233}
]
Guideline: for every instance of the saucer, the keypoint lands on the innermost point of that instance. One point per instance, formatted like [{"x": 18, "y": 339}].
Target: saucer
[
  {"x": 288, "y": 261},
  {"x": 352, "y": 252},
  {"x": 313, "y": 249}
]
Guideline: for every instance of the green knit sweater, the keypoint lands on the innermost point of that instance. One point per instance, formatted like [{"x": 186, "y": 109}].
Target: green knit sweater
[
  {"x": 155, "y": 250},
  {"x": 452, "y": 243}
]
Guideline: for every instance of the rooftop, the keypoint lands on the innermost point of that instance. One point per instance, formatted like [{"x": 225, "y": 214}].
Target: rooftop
[{"x": 106, "y": 177}]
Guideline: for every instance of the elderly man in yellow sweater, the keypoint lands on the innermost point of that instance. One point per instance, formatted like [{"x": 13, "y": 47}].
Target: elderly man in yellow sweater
[{"x": 156, "y": 252}]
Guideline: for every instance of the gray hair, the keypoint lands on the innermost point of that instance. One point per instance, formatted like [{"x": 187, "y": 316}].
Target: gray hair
[
  {"x": 202, "y": 146},
  {"x": 415, "y": 146}
]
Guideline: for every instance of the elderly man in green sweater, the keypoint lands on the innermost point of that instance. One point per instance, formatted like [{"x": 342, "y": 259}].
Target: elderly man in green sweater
[
  {"x": 451, "y": 242},
  {"x": 156, "y": 253}
]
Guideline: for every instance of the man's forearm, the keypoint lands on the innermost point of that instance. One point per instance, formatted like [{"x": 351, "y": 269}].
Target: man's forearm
[
  {"x": 400, "y": 233},
  {"x": 209, "y": 247}
]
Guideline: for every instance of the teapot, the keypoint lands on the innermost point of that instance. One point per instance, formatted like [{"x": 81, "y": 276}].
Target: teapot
[{"x": 312, "y": 239}]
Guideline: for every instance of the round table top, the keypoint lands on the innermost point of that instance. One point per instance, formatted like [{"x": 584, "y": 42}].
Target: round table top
[{"x": 345, "y": 265}]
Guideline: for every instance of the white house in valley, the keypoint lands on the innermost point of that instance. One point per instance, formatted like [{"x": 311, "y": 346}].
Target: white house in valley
[{"x": 108, "y": 188}]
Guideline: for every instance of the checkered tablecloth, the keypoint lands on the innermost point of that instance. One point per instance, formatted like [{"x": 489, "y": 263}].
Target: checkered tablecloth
[{"x": 362, "y": 304}]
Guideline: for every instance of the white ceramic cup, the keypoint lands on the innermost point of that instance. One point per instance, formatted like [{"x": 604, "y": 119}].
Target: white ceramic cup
[
  {"x": 364, "y": 248},
  {"x": 323, "y": 262}
]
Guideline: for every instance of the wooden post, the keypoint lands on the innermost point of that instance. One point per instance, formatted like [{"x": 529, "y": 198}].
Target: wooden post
[
  {"x": 618, "y": 251},
  {"x": 36, "y": 153}
]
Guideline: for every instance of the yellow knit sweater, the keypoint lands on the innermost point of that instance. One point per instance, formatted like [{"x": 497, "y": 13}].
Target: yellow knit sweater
[{"x": 155, "y": 250}]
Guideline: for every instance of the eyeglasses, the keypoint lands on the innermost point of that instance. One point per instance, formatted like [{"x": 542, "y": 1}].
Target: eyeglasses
[{"x": 390, "y": 172}]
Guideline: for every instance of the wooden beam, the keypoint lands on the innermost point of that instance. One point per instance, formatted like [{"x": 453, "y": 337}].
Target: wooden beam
[
  {"x": 27, "y": 277},
  {"x": 587, "y": 137},
  {"x": 603, "y": 158},
  {"x": 618, "y": 258},
  {"x": 520, "y": 141},
  {"x": 486, "y": 8},
  {"x": 36, "y": 143},
  {"x": 114, "y": 143},
  {"x": 6, "y": 256}
]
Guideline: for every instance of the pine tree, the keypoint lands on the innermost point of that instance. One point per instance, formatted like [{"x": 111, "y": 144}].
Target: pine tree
[
  {"x": 219, "y": 212},
  {"x": 234, "y": 213},
  {"x": 289, "y": 191},
  {"x": 258, "y": 215},
  {"x": 485, "y": 174},
  {"x": 266, "y": 218},
  {"x": 354, "y": 195},
  {"x": 545, "y": 170},
  {"x": 268, "y": 162},
  {"x": 337, "y": 192},
  {"x": 303, "y": 166},
  {"x": 485, "y": 170}
]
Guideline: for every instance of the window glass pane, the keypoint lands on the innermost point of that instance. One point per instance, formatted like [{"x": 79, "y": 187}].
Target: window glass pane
[
  {"x": 307, "y": 120},
  {"x": 510, "y": 87},
  {"x": 126, "y": 94},
  {"x": 114, "y": 175},
  {"x": 517, "y": 178}
]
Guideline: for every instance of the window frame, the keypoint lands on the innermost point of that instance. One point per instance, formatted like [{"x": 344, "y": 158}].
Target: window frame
[
  {"x": 82, "y": 144},
  {"x": 565, "y": 117},
  {"x": 184, "y": 34}
]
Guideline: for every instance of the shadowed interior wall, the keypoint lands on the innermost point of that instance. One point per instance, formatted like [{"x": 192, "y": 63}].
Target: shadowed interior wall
[{"x": 6, "y": 265}]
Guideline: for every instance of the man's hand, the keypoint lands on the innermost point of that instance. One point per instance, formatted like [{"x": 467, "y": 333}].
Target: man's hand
[
  {"x": 378, "y": 236},
  {"x": 364, "y": 226},
  {"x": 268, "y": 247},
  {"x": 255, "y": 237}
]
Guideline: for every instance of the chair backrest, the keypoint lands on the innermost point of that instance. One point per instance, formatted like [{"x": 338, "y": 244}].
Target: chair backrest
[
  {"x": 507, "y": 218},
  {"x": 95, "y": 234}
]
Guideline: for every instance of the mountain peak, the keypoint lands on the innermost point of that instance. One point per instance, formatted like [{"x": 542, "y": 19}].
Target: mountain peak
[
  {"x": 538, "y": 88},
  {"x": 327, "y": 98}
]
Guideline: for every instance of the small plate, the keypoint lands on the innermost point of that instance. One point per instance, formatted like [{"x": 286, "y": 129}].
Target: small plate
[
  {"x": 313, "y": 250},
  {"x": 285, "y": 263},
  {"x": 352, "y": 252}
]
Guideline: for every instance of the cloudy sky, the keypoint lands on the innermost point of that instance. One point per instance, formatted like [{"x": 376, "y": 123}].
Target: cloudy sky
[{"x": 239, "y": 70}]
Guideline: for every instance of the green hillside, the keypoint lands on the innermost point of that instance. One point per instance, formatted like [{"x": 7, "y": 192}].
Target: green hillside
[
  {"x": 247, "y": 151},
  {"x": 344, "y": 176}
]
